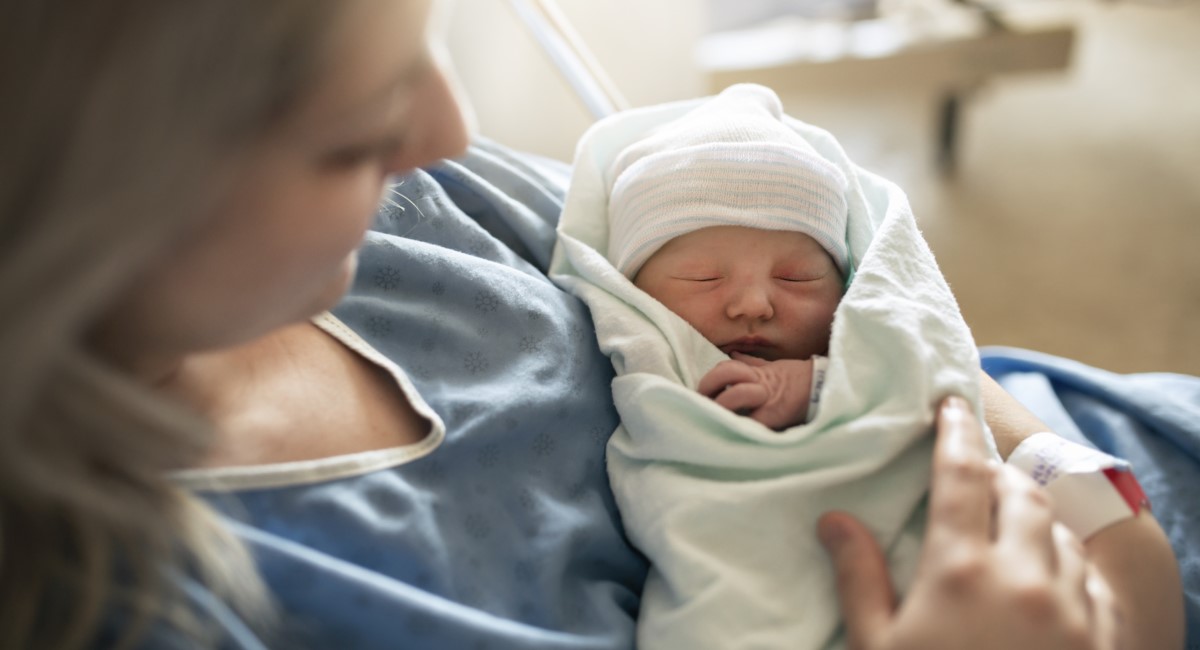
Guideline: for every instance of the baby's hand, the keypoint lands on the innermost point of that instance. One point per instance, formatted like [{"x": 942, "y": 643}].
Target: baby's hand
[{"x": 774, "y": 393}]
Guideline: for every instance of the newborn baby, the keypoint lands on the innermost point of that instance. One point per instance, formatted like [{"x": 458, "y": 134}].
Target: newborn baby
[
  {"x": 729, "y": 251},
  {"x": 732, "y": 221}
]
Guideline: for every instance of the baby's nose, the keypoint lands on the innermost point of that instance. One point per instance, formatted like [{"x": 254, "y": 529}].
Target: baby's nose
[{"x": 750, "y": 302}]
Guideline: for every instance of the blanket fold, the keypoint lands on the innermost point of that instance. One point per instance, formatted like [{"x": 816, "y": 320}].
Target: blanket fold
[{"x": 724, "y": 507}]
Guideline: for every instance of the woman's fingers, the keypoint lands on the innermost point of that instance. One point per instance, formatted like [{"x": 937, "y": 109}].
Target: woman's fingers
[
  {"x": 864, "y": 586},
  {"x": 960, "y": 500},
  {"x": 1087, "y": 597},
  {"x": 1072, "y": 565},
  {"x": 1029, "y": 584},
  {"x": 1105, "y": 619},
  {"x": 1025, "y": 522}
]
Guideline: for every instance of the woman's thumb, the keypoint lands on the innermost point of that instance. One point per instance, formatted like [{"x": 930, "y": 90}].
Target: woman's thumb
[{"x": 863, "y": 584}]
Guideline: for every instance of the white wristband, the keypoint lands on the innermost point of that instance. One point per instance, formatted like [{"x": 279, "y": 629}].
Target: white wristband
[
  {"x": 1091, "y": 490},
  {"x": 820, "y": 365}
]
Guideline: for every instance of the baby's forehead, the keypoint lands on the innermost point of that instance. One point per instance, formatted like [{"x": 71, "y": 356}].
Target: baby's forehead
[{"x": 733, "y": 242}]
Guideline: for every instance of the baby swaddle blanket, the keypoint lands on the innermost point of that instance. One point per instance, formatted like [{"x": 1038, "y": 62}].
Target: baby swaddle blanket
[{"x": 725, "y": 508}]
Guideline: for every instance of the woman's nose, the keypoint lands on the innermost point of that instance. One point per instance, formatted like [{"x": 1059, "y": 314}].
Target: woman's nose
[
  {"x": 751, "y": 302},
  {"x": 450, "y": 137},
  {"x": 438, "y": 126}
]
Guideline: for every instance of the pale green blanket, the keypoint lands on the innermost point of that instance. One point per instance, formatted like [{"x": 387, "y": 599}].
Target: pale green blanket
[{"x": 725, "y": 508}]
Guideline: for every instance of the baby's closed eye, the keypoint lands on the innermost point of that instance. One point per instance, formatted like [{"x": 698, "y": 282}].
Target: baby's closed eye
[
  {"x": 697, "y": 273},
  {"x": 807, "y": 275}
]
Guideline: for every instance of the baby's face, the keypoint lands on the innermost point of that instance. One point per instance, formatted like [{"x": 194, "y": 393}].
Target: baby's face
[{"x": 767, "y": 293}]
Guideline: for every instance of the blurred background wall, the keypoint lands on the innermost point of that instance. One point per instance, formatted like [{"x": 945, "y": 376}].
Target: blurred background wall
[{"x": 1071, "y": 221}]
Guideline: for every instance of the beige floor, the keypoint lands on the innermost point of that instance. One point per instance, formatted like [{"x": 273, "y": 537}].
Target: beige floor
[{"x": 1073, "y": 223}]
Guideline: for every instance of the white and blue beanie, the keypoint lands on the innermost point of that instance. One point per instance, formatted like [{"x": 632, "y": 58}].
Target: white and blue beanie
[{"x": 730, "y": 162}]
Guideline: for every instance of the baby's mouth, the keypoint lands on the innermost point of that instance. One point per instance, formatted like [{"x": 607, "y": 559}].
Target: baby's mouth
[{"x": 756, "y": 346}]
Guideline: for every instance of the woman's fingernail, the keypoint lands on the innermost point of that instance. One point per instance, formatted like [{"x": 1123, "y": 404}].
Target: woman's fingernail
[
  {"x": 954, "y": 403},
  {"x": 831, "y": 532}
]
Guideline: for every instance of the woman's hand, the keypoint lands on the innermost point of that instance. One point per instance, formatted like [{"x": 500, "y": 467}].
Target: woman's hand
[
  {"x": 996, "y": 571},
  {"x": 775, "y": 393}
]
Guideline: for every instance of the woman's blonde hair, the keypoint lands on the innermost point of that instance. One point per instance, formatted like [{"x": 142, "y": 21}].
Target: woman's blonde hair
[{"x": 123, "y": 121}]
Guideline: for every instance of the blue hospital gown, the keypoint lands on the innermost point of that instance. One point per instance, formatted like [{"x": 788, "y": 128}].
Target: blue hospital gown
[{"x": 506, "y": 535}]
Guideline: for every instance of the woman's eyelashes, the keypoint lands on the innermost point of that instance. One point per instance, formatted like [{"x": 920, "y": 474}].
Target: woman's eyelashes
[{"x": 379, "y": 151}]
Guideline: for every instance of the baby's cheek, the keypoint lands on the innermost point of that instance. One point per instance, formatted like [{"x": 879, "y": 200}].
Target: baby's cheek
[
  {"x": 819, "y": 313},
  {"x": 708, "y": 325}
]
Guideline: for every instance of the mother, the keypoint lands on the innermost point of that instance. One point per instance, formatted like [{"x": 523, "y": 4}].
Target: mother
[{"x": 185, "y": 186}]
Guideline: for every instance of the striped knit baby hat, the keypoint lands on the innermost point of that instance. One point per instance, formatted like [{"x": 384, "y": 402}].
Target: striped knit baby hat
[{"x": 730, "y": 162}]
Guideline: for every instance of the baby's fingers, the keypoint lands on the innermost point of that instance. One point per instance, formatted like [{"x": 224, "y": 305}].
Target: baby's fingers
[
  {"x": 722, "y": 375},
  {"x": 743, "y": 398}
]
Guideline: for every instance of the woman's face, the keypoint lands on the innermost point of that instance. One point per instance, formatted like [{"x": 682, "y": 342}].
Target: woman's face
[{"x": 281, "y": 246}]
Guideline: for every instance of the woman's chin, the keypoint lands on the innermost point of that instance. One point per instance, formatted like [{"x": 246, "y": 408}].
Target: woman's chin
[{"x": 336, "y": 288}]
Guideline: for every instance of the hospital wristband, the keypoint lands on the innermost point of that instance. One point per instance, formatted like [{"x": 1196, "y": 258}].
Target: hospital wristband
[
  {"x": 1091, "y": 490},
  {"x": 819, "y": 365}
]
